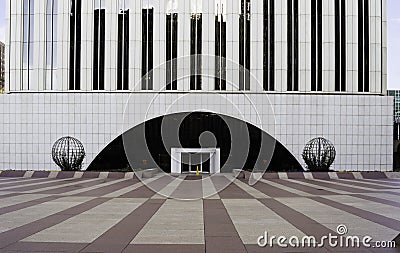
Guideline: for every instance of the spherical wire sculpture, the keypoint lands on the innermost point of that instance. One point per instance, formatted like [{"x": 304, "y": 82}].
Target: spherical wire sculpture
[
  {"x": 319, "y": 154},
  {"x": 68, "y": 153}
]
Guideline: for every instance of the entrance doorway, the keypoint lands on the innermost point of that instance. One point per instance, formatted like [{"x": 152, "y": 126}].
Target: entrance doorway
[{"x": 191, "y": 161}]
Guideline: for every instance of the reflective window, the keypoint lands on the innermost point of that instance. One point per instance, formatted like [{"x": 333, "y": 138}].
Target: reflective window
[
  {"x": 340, "y": 45},
  {"x": 51, "y": 41},
  {"x": 99, "y": 45},
  {"x": 220, "y": 45},
  {"x": 147, "y": 48},
  {"x": 172, "y": 51},
  {"x": 28, "y": 42},
  {"x": 196, "y": 20},
  {"x": 293, "y": 43},
  {"x": 244, "y": 45},
  {"x": 123, "y": 46},
  {"x": 75, "y": 45}
]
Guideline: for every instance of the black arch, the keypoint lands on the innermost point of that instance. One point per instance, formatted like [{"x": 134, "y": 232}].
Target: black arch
[{"x": 113, "y": 157}]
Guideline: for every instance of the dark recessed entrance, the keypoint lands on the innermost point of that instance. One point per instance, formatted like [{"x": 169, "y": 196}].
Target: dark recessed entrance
[
  {"x": 196, "y": 130},
  {"x": 193, "y": 162}
]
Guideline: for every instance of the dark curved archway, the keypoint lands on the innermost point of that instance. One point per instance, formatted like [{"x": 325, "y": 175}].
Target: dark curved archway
[{"x": 190, "y": 127}]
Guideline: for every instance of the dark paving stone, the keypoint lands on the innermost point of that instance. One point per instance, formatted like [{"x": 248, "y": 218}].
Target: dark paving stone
[
  {"x": 12, "y": 236},
  {"x": 378, "y": 200},
  {"x": 224, "y": 244},
  {"x": 40, "y": 174},
  {"x": 304, "y": 188},
  {"x": 119, "y": 236},
  {"x": 50, "y": 183},
  {"x": 192, "y": 189},
  {"x": 22, "y": 182},
  {"x": 307, "y": 225},
  {"x": 275, "y": 248},
  {"x": 377, "y": 218},
  {"x": 108, "y": 189},
  {"x": 65, "y": 174},
  {"x": 165, "y": 249},
  {"x": 229, "y": 190},
  {"x": 9, "y": 195},
  {"x": 361, "y": 184},
  {"x": 45, "y": 247},
  {"x": 295, "y": 175},
  {"x": 65, "y": 189},
  {"x": 148, "y": 191},
  {"x": 384, "y": 182},
  {"x": 373, "y": 175},
  {"x": 90, "y": 174},
  {"x": 116, "y": 175},
  {"x": 219, "y": 231},
  {"x": 271, "y": 176},
  {"x": 12, "y": 208},
  {"x": 192, "y": 178},
  {"x": 320, "y": 175},
  {"x": 12, "y": 173},
  {"x": 332, "y": 185},
  {"x": 273, "y": 191},
  {"x": 344, "y": 175}
]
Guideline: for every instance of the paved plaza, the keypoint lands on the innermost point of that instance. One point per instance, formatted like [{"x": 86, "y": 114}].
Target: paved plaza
[{"x": 124, "y": 215}]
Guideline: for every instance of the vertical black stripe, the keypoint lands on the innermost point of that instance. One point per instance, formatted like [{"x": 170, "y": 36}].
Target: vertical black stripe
[
  {"x": 78, "y": 44},
  {"x": 168, "y": 51},
  {"x": 223, "y": 53},
  {"x": 126, "y": 50},
  {"x": 102, "y": 48},
  {"x": 360, "y": 47},
  {"x": 343, "y": 45},
  {"x": 313, "y": 45},
  {"x": 366, "y": 45},
  {"x": 296, "y": 46},
  {"x": 150, "y": 48},
  {"x": 319, "y": 79},
  {"x": 217, "y": 53},
  {"x": 272, "y": 46},
  {"x": 120, "y": 50},
  {"x": 144, "y": 48},
  {"x": 196, "y": 51},
  {"x": 75, "y": 45},
  {"x": 248, "y": 50},
  {"x": 175, "y": 51},
  {"x": 289, "y": 45},
  {"x": 337, "y": 45},
  {"x": 96, "y": 50},
  {"x": 72, "y": 46},
  {"x": 199, "y": 32},
  {"x": 241, "y": 44},
  {"x": 265, "y": 45},
  {"x": 192, "y": 52}
]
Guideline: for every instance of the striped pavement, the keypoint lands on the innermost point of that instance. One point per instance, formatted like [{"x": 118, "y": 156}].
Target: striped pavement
[{"x": 123, "y": 214}]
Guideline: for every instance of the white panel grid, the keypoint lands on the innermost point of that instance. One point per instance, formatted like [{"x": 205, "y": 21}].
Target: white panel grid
[{"x": 32, "y": 123}]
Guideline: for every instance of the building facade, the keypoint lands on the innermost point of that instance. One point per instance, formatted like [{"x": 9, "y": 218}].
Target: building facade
[
  {"x": 2, "y": 66},
  {"x": 295, "y": 69}
]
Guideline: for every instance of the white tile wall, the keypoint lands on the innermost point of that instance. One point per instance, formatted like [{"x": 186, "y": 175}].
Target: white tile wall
[{"x": 359, "y": 126}]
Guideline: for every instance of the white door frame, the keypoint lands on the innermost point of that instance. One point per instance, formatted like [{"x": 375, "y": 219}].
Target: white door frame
[{"x": 176, "y": 158}]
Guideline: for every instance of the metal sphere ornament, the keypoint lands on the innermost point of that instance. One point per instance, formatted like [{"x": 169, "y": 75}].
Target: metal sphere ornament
[
  {"x": 68, "y": 153},
  {"x": 319, "y": 154}
]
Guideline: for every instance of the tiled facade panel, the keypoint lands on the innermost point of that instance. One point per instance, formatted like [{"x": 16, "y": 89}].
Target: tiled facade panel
[
  {"x": 36, "y": 114},
  {"x": 208, "y": 8},
  {"x": 360, "y": 127}
]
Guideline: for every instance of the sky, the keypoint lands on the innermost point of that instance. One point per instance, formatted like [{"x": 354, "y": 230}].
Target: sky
[{"x": 393, "y": 11}]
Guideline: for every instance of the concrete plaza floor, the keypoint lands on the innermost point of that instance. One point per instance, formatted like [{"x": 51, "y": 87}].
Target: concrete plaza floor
[{"x": 124, "y": 215}]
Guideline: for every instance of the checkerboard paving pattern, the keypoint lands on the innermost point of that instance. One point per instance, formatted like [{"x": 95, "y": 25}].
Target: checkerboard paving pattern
[{"x": 126, "y": 215}]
